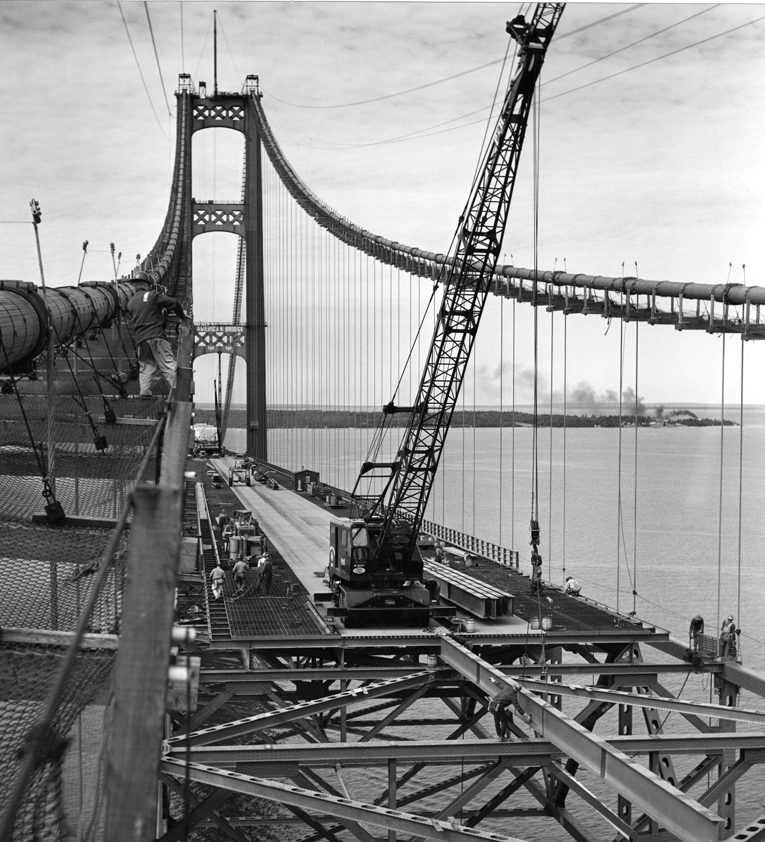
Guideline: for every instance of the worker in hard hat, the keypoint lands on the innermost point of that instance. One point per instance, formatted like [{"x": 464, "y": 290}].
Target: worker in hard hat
[
  {"x": 154, "y": 352},
  {"x": 695, "y": 630},
  {"x": 728, "y": 641}
]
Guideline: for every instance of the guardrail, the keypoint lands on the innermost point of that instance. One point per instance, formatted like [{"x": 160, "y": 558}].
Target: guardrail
[{"x": 477, "y": 546}]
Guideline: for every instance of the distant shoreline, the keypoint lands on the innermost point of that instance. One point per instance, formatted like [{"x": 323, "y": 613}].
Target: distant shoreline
[{"x": 339, "y": 419}]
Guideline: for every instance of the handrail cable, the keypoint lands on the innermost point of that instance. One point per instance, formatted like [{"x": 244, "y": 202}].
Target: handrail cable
[
  {"x": 633, "y": 44},
  {"x": 421, "y": 133},
  {"x": 657, "y": 58},
  {"x": 230, "y": 51},
  {"x": 204, "y": 44},
  {"x": 454, "y": 76},
  {"x": 140, "y": 72},
  {"x": 156, "y": 56}
]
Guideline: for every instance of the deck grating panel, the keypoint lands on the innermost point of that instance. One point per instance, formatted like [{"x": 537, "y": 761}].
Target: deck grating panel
[
  {"x": 568, "y": 613},
  {"x": 254, "y": 615}
]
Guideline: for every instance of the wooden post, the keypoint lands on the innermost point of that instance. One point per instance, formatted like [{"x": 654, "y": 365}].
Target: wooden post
[{"x": 140, "y": 677}]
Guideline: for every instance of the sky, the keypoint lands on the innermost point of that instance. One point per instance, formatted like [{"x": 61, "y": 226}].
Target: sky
[{"x": 651, "y": 148}]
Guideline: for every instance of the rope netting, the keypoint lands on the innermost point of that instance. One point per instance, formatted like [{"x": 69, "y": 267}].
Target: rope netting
[
  {"x": 85, "y": 437},
  {"x": 28, "y": 672},
  {"x": 97, "y": 437},
  {"x": 97, "y": 433},
  {"x": 50, "y": 573}
]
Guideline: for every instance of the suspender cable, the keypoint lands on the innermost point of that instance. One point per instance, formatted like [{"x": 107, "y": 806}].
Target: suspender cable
[
  {"x": 512, "y": 437},
  {"x": 565, "y": 438},
  {"x": 462, "y": 496},
  {"x": 550, "y": 481},
  {"x": 501, "y": 405},
  {"x": 474, "y": 442},
  {"x": 720, "y": 504},
  {"x": 740, "y": 481},
  {"x": 635, "y": 512},
  {"x": 534, "y": 526},
  {"x": 290, "y": 413},
  {"x": 346, "y": 352},
  {"x": 319, "y": 340},
  {"x": 619, "y": 473}
]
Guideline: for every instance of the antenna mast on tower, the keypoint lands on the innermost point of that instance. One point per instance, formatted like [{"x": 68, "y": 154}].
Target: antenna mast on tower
[{"x": 215, "y": 52}]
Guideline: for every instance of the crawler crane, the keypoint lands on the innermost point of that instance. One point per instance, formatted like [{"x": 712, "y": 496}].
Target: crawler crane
[{"x": 375, "y": 569}]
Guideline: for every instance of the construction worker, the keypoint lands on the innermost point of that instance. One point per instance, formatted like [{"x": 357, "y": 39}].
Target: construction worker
[
  {"x": 695, "y": 630},
  {"x": 222, "y": 520},
  {"x": 503, "y": 716},
  {"x": 536, "y": 572},
  {"x": 154, "y": 352},
  {"x": 728, "y": 632},
  {"x": 573, "y": 588},
  {"x": 265, "y": 571},
  {"x": 217, "y": 577},
  {"x": 241, "y": 568}
]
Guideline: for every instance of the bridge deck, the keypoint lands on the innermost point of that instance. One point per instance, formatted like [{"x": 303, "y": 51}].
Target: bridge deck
[{"x": 297, "y": 530}]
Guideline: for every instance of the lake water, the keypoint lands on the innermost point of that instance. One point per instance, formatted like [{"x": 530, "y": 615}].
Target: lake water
[{"x": 686, "y": 546}]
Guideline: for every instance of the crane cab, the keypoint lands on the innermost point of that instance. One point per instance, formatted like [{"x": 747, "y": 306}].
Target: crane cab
[
  {"x": 373, "y": 584},
  {"x": 356, "y": 556}
]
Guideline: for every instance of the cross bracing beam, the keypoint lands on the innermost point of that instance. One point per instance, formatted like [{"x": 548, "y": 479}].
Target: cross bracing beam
[
  {"x": 280, "y": 716},
  {"x": 446, "y": 752},
  {"x": 343, "y": 808},
  {"x": 620, "y": 697},
  {"x": 680, "y": 814},
  {"x": 466, "y": 816},
  {"x": 576, "y": 786},
  {"x": 203, "y": 810}
]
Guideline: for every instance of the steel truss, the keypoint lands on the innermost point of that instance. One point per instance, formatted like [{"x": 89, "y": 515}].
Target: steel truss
[{"x": 310, "y": 728}]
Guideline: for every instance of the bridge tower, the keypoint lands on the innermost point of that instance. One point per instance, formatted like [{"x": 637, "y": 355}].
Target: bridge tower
[{"x": 236, "y": 111}]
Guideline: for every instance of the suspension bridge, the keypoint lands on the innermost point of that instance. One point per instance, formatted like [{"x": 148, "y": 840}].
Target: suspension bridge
[{"x": 136, "y": 706}]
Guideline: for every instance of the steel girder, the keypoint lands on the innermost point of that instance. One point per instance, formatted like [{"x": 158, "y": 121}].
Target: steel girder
[
  {"x": 270, "y": 719},
  {"x": 680, "y": 814},
  {"x": 332, "y": 644},
  {"x": 345, "y": 808},
  {"x": 216, "y": 676},
  {"x": 449, "y": 752},
  {"x": 527, "y": 757},
  {"x": 619, "y": 697}
]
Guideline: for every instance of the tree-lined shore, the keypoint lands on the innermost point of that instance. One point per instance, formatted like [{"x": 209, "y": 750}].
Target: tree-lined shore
[{"x": 321, "y": 418}]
